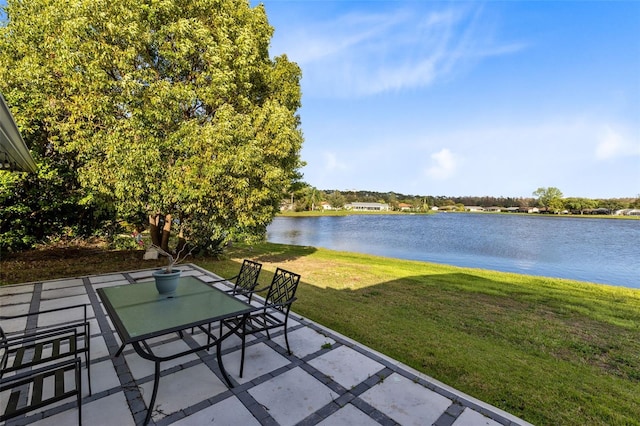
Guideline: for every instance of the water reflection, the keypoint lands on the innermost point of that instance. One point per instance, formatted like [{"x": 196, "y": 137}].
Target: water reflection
[
  {"x": 293, "y": 235},
  {"x": 596, "y": 250}
]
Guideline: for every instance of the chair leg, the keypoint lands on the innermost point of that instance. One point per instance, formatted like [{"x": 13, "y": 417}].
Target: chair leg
[
  {"x": 209, "y": 334},
  {"x": 87, "y": 357},
  {"x": 79, "y": 399},
  {"x": 286, "y": 337},
  {"x": 88, "y": 362},
  {"x": 244, "y": 336}
]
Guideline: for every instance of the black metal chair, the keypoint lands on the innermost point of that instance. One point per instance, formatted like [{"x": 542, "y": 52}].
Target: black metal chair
[
  {"x": 61, "y": 345},
  {"x": 273, "y": 314},
  {"x": 246, "y": 280},
  {"x": 244, "y": 283},
  {"x": 26, "y": 390}
]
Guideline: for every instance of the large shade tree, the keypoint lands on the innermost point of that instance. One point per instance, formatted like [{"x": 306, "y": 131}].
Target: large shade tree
[
  {"x": 167, "y": 108},
  {"x": 550, "y": 198}
]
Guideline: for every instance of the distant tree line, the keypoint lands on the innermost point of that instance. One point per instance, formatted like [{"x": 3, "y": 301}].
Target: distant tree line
[{"x": 305, "y": 197}]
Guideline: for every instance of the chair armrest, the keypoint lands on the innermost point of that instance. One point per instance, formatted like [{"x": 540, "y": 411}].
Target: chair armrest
[
  {"x": 8, "y": 317},
  {"x": 224, "y": 279},
  {"x": 256, "y": 290},
  {"x": 239, "y": 291},
  {"x": 278, "y": 305},
  {"x": 27, "y": 350},
  {"x": 43, "y": 334},
  {"x": 31, "y": 373},
  {"x": 259, "y": 290},
  {"x": 265, "y": 307}
]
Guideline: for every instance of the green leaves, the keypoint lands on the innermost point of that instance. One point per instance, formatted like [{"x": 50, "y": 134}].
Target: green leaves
[
  {"x": 550, "y": 198},
  {"x": 171, "y": 106}
]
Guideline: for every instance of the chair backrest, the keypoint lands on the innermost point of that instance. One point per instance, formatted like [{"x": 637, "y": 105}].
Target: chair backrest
[
  {"x": 283, "y": 289},
  {"x": 247, "y": 278}
]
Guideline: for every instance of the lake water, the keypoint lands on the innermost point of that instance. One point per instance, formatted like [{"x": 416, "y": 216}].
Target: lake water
[{"x": 587, "y": 249}]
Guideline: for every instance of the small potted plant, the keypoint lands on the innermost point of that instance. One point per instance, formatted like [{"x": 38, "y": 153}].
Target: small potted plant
[{"x": 167, "y": 278}]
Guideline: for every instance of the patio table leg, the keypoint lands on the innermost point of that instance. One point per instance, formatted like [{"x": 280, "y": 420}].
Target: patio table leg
[
  {"x": 220, "y": 365},
  {"x": 120, "y": 349},
  {"x": 144, "y": 350},
  {"x": 154, "y": 394},
  {"x": 219, "y": 341},
  {"x": 148, "y": 354}
]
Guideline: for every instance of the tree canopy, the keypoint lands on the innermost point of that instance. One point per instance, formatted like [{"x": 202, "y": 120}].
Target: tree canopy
[
  {"x": 170, "y": 107},
  {"x": 549, "y": 198},
  {"x": 580, "y": 204}
]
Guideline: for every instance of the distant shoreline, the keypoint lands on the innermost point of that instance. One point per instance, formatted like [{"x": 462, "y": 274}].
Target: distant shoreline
[{"x": 320, "y": 213}]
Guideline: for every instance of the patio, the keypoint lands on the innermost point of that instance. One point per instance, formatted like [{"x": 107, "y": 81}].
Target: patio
[{"x": 329, "y": 379}]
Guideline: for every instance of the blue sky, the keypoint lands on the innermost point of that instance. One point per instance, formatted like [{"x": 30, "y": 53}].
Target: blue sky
[
  {"x": 461, "y": 98},
  {"x": 467, "y": 98}
]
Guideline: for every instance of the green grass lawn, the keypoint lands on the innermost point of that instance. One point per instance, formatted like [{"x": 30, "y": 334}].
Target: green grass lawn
[
  {"x": 551, "y": 351},
  {"x": 548, "y": 350}
]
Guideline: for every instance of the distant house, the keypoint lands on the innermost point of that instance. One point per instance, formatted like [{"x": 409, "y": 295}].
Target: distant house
[
  {"x": 367, "y": 206},
  {"x": 521, "y": 210},
  {"x": 473, "y": 209},
  {"x": 404, "y": 207},
  {"x": 528, "y": 210},
  {"x": 286, "y": 205},
  {"x": 628, "y": 212},
  {"x": 326, "y": 206},
  {"x": 493, "y": 209},
  {"x": 600, "y": 210}
]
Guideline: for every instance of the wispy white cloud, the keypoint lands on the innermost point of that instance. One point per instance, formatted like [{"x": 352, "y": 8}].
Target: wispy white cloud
[
  {"x": 368, "y": 53},
  {"x": 515, "y": 157},
  {"x": 331, "y": 162},
  {"x": 614, "y": 143},
  {"x": 319, "y": 41},
  {"x": 444, "y": 165}
]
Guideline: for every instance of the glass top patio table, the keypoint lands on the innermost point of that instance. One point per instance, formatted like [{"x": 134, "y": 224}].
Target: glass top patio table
[{"x": 139, "y": 312}]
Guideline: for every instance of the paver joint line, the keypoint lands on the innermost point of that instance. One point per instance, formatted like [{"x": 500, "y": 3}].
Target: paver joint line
[
  {"x": 344, "y": 399},
  {"x": 455, "y": 409},
  {"x": 445, "y": 419}
]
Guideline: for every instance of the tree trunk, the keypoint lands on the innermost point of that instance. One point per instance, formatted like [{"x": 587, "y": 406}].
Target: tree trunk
[
  {"x": 154, "y": 230},
  {"x": 181, "y": 241},
  {"x": 166, "y": 232}
]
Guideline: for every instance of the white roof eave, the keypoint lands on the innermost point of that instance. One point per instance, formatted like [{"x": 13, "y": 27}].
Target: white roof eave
[{"x": 14, "y": 154}]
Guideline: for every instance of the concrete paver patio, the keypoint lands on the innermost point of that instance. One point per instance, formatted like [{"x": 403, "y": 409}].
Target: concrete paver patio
[{"x": 329, "y": 379}]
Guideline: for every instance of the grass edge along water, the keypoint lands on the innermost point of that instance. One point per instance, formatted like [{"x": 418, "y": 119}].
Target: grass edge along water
[{"x": 551, "y": 351}]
